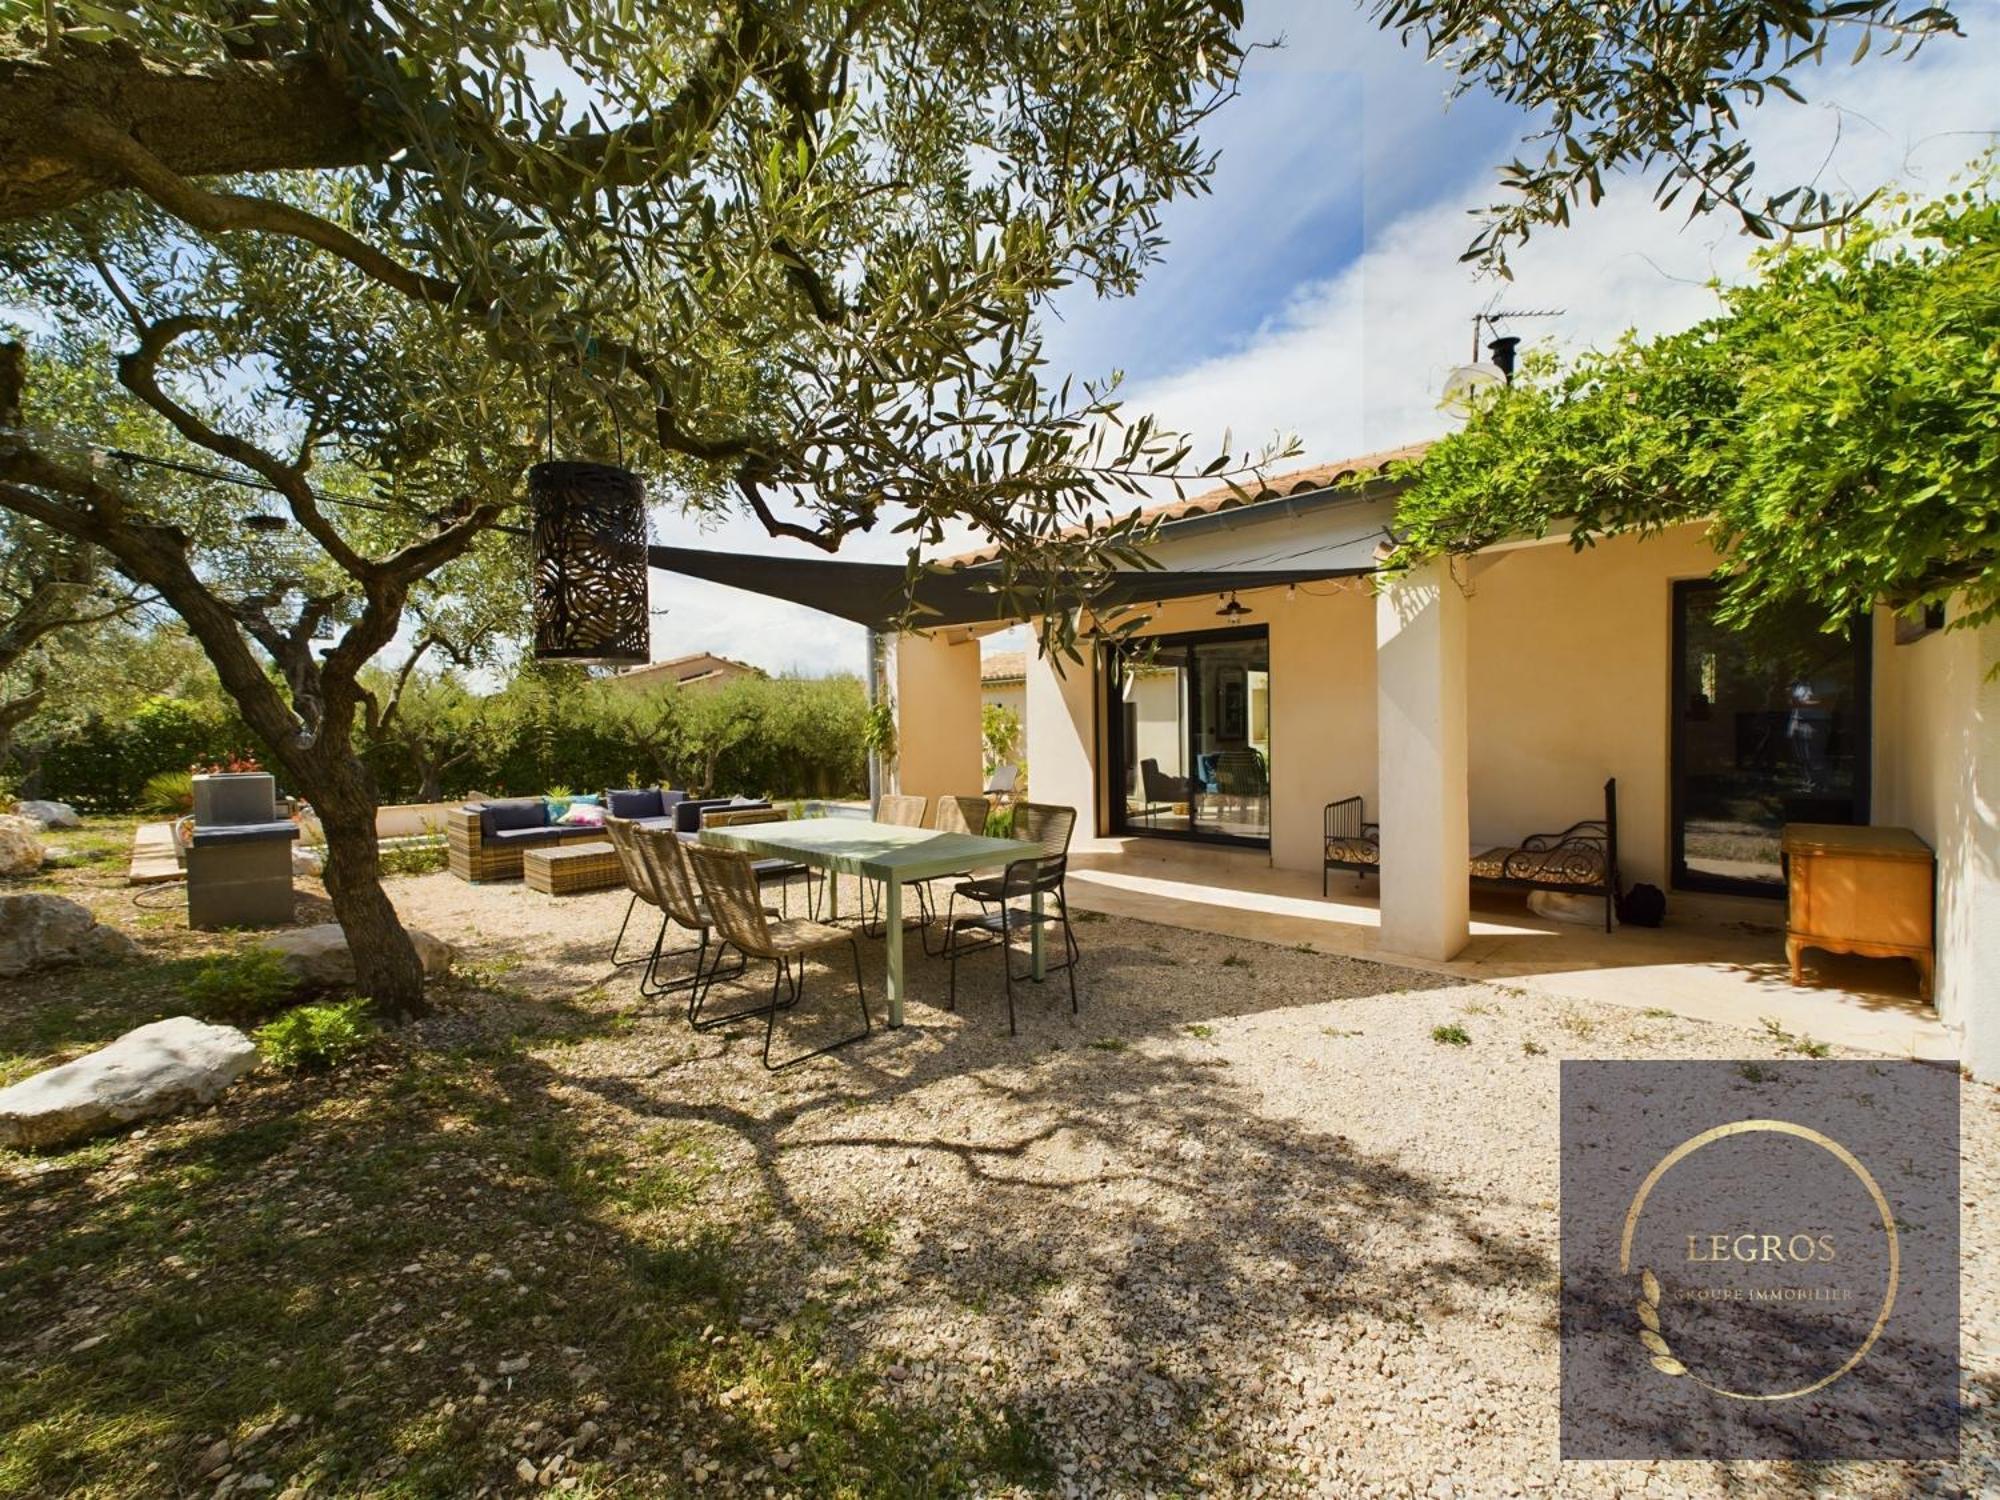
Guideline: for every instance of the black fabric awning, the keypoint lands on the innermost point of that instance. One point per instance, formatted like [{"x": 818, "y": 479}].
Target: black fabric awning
[{"x": 874, "y": 594}]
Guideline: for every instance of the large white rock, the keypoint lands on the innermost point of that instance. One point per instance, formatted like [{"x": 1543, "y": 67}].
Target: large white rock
[
  {"x": 319, "y": 956},
  {"x": 21, "y": 849},
  {"x": 155, "y": 1070},
  {"x": 50, "y": 814},
  {"x": 40, "y": 931}
]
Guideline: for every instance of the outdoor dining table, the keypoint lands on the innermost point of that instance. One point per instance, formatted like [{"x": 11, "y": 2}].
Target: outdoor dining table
[{"x": 886, "y": 852}]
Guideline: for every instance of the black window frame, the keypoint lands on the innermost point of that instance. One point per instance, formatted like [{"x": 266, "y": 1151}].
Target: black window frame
[
  {"x": 1679, "y": 876},
  {"x": 1112, "y": 721}
]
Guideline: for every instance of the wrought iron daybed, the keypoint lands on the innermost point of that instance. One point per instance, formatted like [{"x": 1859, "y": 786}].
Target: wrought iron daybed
[{"x": 1581, "y": 860}]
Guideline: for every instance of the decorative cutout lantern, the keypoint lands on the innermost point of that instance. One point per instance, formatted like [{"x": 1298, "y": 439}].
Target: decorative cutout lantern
[{"x": 590, "y": 564}]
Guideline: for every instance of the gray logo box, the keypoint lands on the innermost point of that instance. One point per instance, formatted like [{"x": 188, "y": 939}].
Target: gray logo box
[{"x": 1760, "y": 1260}]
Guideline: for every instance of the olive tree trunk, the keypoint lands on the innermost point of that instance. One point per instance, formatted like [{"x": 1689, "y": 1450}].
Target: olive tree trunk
[{"x": 386, "y": 966}]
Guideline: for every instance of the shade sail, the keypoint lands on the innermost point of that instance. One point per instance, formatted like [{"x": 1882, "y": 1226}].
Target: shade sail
[{"x": 874, "y": 594}]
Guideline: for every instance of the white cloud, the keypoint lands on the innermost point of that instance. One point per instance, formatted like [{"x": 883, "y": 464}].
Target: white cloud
[{"x": 1356, "y": 362}]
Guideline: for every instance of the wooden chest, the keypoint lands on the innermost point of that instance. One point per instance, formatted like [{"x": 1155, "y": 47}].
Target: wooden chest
[{"x": 1859, "y": 890}]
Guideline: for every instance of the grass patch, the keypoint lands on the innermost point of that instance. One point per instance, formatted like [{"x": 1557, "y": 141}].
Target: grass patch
[
  {"x": 241, "y": 988},
  {"x": 1531, "y": 1048},
  {"x": 1657, "y": 1013},
  {"x": 1109, "y": 1044},
  {"x": 1199, "y": 1031},
  {"x": 1453, "y": 1035},
  {"x": 413, "y": 859},
  {"x": 315, "y": 1038},
  {"x": 1235, "y": 961},
  {"x": 1785, "y": 1041}
]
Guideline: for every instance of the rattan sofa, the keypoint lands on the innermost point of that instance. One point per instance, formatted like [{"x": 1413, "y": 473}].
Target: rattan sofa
[
  {"x": 485, "y": 840},
  {"x": 1581, "y": 860}
]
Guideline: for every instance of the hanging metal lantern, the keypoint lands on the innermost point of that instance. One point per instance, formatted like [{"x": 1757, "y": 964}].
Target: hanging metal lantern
[{"x": 590, "y": 564}]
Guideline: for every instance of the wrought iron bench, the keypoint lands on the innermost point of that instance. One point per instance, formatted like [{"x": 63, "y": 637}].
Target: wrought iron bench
[{"x": 1581, "y": 860}]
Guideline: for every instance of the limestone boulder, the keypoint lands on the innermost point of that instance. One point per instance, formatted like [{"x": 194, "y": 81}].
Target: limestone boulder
[
  {"x": 319, "y": 958},
  {"x": 40, "y": 931},
  {"x": 49, "y": 814},
  {"x": 156, "y": 1070},
  {"x": 21, "y": 851}
]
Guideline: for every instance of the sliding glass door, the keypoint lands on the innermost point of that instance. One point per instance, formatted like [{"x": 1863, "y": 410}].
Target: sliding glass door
[
  {"x": 1771, "y": 726},
  {"x": 1190, "y": 736}
]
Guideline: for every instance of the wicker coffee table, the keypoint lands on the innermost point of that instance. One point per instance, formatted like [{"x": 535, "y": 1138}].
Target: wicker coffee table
[{"x": 565, "y": 869}]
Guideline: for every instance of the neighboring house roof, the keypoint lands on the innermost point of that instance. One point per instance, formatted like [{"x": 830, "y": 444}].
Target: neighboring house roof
[
  {"x": 1276, "y": 487},
  {"x": 1004, "y": 666},
  {"x": 697, "y": 669}
]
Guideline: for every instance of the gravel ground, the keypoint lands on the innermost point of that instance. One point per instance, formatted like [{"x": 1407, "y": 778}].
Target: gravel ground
[{"x": 1241, "y": 1227}]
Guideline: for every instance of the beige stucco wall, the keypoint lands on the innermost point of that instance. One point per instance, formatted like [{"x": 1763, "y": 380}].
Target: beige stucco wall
[
  {"x": 1568, "y": 683},
  {"x": 1937, "y": 771},
  {"x": 1322, "y": 711},
  {"x": 1012, "y": 695},
  {"x": 936, "y": 684}
]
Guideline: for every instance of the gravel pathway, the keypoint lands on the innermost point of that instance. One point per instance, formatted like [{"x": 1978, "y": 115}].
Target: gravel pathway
[{"x": 1242, "y": 1227}]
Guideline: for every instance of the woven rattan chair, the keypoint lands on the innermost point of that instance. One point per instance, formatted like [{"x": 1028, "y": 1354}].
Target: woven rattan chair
[
  {"x": 729, "y": 888},
  {"x": 665, "y": 859},
  {"x": 1041, "y": 873},
  {"x": 901, "y": 811},
  {"x": 951, "y": 815},
  {"x": 778, "y": 872},
  {"x": 904, "y": 812},
  {"x": 639, "y": 880}
]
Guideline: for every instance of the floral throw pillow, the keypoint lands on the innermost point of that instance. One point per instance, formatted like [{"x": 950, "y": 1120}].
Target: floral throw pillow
[{"x": 583, "y": 815}]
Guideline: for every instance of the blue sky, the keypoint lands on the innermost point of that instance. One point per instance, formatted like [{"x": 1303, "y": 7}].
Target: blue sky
[{"x": 1316, "y": 290}]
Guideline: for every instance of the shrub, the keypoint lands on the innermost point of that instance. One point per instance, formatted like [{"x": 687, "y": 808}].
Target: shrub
[
  {"x": 168, "y": 792},
  {"x": 413, "y": 859},
  {"x": 312, "y": 1038},
  {"x": 1451, "y": 1036},
  {"x": 241, "y": 988},
  {"x": 105, "y": 764}
]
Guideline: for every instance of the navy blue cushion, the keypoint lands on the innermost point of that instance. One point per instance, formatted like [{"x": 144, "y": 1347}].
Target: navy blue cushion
[
  {"x": 688, "y": 811},
  {"x": 543, "y": 835},
  {"x": 641, "y": 802},
  {"x": 516, "y": 812}
]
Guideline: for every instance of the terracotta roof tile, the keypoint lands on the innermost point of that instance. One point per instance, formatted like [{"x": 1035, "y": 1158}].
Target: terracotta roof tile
[
  {"x": 1003, "y": 666},
  {"x": 1275, "y": 487}
]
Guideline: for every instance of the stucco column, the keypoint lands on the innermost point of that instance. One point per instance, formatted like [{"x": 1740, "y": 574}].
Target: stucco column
[
  {"x": 1420, "y": 738},
  {"x": 935, "y": 683},
  {"x": 1062, "y": 736}
]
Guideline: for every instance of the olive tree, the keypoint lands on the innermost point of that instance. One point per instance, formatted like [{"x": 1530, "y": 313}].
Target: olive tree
[{"x": 782, "y": 255}]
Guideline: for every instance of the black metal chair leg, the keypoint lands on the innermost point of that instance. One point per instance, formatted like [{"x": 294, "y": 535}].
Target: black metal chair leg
[
  {"x": 798, "y": 992},
  {"x": 701, "y": 1022},
  {"x": 1007, "y": 967},
  {"x": 651, "y": 960},
  {"x": 1069, "y": 947},
  {"x": 626, "y": 963},
  {"x": 950, "y": 950}
]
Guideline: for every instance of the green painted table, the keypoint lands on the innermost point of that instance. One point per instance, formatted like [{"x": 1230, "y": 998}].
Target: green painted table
[{"x": 886, "y": 852}]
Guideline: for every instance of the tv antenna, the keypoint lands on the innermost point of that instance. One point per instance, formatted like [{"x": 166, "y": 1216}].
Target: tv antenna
[{"x": 1504, "y": 346}]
